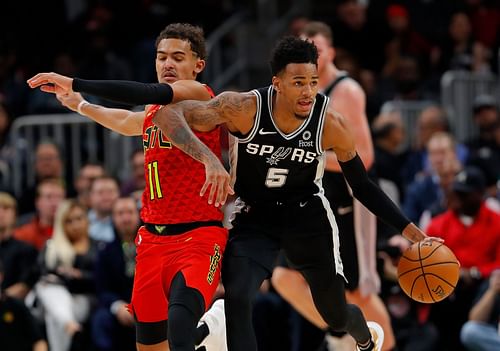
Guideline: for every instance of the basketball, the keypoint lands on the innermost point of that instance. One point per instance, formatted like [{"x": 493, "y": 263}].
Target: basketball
[{"x": 428, "y": 272}]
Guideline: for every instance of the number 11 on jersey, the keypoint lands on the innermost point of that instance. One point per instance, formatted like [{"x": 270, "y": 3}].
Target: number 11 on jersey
[{"x": 154, "y": 181}]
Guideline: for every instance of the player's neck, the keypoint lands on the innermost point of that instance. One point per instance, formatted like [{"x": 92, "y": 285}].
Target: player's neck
[
  {"x": 328, "y": 75},
  {"x": 284, "y": 118}
]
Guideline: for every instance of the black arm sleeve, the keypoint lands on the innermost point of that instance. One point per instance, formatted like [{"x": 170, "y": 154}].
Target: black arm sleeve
[
  {"x": 127, "y": 92},
  {"x": 370, "y": 195}
]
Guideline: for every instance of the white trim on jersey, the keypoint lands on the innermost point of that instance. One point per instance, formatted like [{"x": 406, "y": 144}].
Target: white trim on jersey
[
  {"x": 256, "y": 122},
  {"x": 339, "y": 267},
  {"x": 233, "y": 158},
  {"x": 295, "y": 132},
  {"x": 321, "y": 123}
]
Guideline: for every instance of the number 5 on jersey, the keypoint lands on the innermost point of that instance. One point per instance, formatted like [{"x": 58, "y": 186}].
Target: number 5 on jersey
[
  {"x": 276, "y": 177},
  {"x": 154, "y": 181}
]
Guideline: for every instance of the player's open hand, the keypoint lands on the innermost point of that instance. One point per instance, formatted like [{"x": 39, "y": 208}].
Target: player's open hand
[
  {"x": 218, "y": 180},
  {"x": 48, "y": 82}
]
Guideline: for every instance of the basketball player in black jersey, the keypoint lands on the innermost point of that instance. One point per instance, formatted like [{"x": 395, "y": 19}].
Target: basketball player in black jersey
[
  {"x": 282, "y": 133},
  {"x": 357, "y": 226}
]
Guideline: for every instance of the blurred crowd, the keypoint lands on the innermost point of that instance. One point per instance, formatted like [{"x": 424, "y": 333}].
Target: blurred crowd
[{"x": 67, "y": 245}]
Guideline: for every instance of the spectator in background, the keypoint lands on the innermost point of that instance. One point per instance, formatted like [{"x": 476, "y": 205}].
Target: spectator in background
[
  {"x": 19, "y": 258},
  {"x": 404, "y": 40},
  {"x": 446, "y": 174},
  {"x": 5, "y": 123},
  {"x": 48, "y": 164},
  {"x": 66, "y": 289},
  {"x": 103, "y": 193},
  {"x": 407, "y": 82},
  {"x": 472, "y": 231},
  {"x": 357, "y": 36},
  {"x": 425, "y": 190},
  {"x": 136, "y": 183},
  {"x": 86, "y": 175},
  {"x": 50, "y": 193},
  {"x": 460, "y": 50},
  {"x": 40, "y": 102},
  {"x": 431, "y": 119},
  {"x": 100, "y": 59},
  {"x": 18, "y": 328},
  {"x": 485, "y": 148},
  {"x": 112, "y": 324},
  {"x": 388, "y": 135},
  {"x": 481, "y": 332},
  {"x": 485, "y": 20}
]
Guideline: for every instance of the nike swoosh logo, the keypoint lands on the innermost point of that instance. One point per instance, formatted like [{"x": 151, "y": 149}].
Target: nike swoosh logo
[
  {"x": 262, "y": 132},
  {"x": 302, "y": 204},
  {"x": 344, "y": 210}
]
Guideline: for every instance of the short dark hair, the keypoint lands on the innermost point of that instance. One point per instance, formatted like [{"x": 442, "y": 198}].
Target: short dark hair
[
  {"x": 188, "y": 32},
  {"x": 314, "y": 28},
  {"x": 291, "y": 49}
]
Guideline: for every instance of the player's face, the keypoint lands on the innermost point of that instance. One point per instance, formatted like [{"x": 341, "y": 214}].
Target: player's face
[
  {"x": 175, "y": 61},
  {"x": 297, "y": 87}
]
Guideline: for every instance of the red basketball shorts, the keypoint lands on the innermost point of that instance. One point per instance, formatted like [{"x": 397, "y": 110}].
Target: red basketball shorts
[{"x": 197, "y": 254}]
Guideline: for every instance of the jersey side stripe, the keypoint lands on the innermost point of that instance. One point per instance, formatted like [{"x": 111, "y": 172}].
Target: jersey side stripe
[
  {"x": 339, "y": 267},
  {"x": 321, "y": 123}
]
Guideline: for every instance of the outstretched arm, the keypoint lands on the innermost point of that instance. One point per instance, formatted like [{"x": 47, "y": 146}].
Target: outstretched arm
[
  {"x": 337, "y": 135},
  {"x": 119, "y": 120},
  {"x": 129, "y": 92}
]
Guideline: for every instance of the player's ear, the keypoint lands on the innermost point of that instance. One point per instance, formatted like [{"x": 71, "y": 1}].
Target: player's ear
[
  {"x": 200, "y": 66},
  {"x": 276, "y": 84},
  {"x": 333, "y": 53}
]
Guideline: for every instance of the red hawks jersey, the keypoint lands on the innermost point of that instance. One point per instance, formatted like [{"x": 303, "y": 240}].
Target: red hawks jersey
[{"x": 174, "y": 179}]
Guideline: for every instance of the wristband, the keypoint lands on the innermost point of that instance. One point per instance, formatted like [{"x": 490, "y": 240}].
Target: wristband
[{"x": 80, "y": 105}]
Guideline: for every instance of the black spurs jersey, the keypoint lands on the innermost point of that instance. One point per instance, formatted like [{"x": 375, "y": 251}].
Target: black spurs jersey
[{"x": 272, "y": 166}]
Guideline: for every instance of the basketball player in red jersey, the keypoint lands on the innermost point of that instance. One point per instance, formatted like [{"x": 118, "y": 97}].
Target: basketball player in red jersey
[{"x": 180, "y": 246}]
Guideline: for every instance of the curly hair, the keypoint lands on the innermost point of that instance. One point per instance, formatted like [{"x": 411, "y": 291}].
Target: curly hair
[
  {"x": 291, "y": 49},
  {"x": 188, "y": 32}
]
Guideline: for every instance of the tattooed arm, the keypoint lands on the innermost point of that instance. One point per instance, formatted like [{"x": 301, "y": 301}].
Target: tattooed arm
[{"x": 233, "y": 109}]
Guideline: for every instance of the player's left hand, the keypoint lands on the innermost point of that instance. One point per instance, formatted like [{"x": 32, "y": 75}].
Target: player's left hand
[
  {"x": 415, "y": 234},
  {"x": 218, "y": 180}
]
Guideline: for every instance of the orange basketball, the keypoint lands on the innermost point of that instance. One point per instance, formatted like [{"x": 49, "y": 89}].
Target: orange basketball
[{"x": 428, "y": 272}]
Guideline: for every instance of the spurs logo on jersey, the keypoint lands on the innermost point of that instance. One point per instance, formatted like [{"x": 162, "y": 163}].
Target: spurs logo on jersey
[
  {"x": 276, "y": 166},
  {"x": 279, "y": 154}
]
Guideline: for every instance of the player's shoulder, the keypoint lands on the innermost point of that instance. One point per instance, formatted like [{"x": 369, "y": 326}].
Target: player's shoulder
[
  {"x": 348, "y": 88},
  {"x": 333, "y": 116}
]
